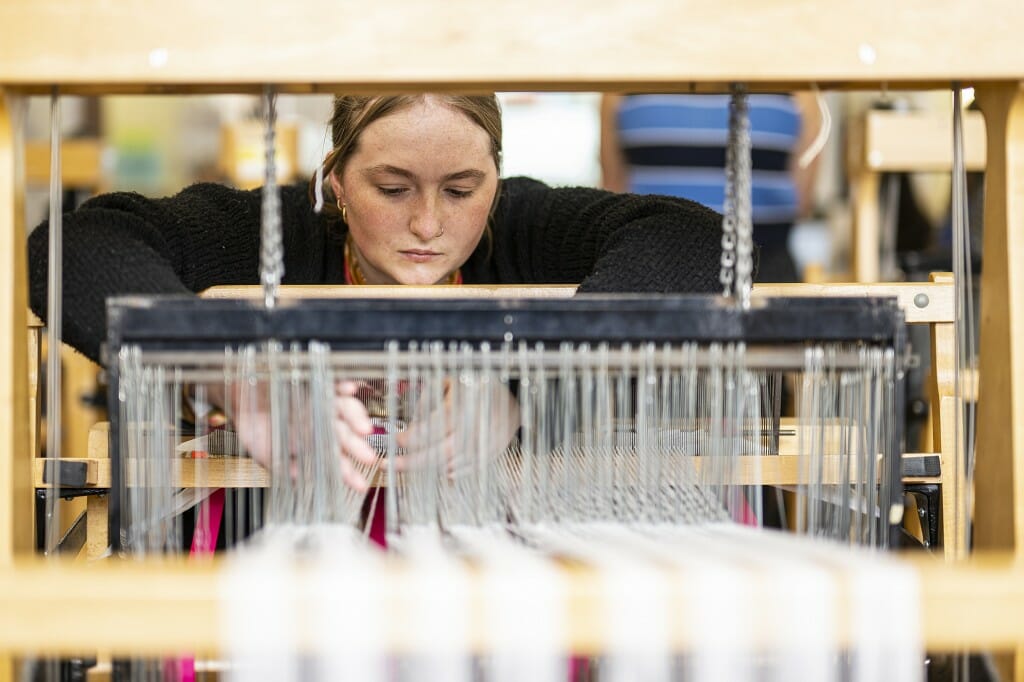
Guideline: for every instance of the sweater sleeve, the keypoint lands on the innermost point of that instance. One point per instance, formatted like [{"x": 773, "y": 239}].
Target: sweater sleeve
[
  {"x": 124, "y": 243},
  {"x": 608, "y": 242}
]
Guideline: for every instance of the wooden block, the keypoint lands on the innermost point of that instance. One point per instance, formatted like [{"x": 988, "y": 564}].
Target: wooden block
[
  {"x": 76, "y": 472},
  {"x": 80, "y": 164},
  {"x": 920, "y": 141}
]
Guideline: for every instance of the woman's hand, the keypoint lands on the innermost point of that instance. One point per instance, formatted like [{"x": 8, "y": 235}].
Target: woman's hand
[
  {"x": 465, "y": 423},
  {"x": 351, "y": 427},
  {"x": 250, "y": 412}
]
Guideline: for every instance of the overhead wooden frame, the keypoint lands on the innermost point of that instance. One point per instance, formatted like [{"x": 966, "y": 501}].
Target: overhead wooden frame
[{"x": 350, "y": 45}]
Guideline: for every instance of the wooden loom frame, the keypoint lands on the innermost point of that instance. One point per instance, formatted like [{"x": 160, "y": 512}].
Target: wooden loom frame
[
  {"x": 323, "y": 46},
  {"x": 930, "y": 304}
]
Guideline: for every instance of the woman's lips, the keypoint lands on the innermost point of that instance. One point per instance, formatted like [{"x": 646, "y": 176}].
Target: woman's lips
[{"x": 420, "y": 256}]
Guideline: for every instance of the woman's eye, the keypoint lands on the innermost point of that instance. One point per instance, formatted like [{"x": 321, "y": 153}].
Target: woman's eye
[
  {"x": 459, "y": 193},
  {"x": 392, "y": 191}
]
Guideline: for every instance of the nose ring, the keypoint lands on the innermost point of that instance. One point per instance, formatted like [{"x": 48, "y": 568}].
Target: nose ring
[{"x": 439, "y": 233}]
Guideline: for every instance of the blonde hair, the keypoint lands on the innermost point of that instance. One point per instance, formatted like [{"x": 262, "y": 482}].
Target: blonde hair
[{"x": 353, "y": 113}]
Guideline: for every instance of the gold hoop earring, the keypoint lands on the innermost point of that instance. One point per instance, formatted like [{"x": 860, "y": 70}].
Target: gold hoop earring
[{"x": 344, "y": 213}]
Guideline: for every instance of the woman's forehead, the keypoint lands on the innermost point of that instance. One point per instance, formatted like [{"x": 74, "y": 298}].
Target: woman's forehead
[{"x": 429, "y": 131}]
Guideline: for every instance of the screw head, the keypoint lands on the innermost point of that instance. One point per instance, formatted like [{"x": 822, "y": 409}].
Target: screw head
[{"x": 921, "y": 300}]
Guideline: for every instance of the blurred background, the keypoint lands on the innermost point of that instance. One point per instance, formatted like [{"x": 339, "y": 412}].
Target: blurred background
[{"x": 157, "y": 145}]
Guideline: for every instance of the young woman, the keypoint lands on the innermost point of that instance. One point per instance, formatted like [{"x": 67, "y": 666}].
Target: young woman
[{"x": 413, "y": 196}]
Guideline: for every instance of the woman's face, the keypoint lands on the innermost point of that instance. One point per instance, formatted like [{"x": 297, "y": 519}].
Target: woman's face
[{"x": 417, "y": 193}]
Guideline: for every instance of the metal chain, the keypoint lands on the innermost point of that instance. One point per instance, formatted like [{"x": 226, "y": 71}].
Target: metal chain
[
  {"x": 271, "y": 246},
  {"x": 737, "y": 224},
  {"x": 728, "y": 272}
]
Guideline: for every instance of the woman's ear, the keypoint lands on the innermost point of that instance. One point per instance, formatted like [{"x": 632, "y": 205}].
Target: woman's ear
[{"x": 339, "y": 192}]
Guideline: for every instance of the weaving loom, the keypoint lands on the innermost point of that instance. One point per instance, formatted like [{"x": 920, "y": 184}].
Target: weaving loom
[
  {"x": 620, "y": 449},
  {"x": 777, "y": 584},
  {"x": 643, "y": 424}
]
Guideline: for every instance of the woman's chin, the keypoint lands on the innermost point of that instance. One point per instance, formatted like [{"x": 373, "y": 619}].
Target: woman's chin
[{"x": 423, "y": 280}]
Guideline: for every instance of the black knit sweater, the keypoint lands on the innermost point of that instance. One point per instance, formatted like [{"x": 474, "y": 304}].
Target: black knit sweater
[{"x": 209, "y": 234}]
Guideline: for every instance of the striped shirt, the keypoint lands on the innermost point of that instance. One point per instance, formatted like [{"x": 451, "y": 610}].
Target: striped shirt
[{"x": 675, "y": 145}]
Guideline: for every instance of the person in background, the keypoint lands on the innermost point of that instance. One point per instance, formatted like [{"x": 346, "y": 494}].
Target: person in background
[{"x": 675, "y": 145}]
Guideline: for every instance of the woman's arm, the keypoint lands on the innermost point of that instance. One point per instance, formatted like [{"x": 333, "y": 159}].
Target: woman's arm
[
  {"x": 124, "y": 243},
  {"x": 605, "y": 241}
]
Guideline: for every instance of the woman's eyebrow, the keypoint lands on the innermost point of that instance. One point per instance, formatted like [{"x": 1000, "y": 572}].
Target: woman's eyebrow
[
  {"x": 390, "y": 170},
  {"x": 468, "y": 174}
]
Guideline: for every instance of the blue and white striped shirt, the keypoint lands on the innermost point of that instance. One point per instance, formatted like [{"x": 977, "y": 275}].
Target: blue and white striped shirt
[{"x": 675, "y": 145}]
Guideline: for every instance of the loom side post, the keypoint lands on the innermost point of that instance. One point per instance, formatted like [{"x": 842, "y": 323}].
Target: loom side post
[
  {"x": 999, "y": 475},
  {"x": 943, "y": 413},
  {"x": 16, "y": 516},
  {"x": 999, "y": 524}
]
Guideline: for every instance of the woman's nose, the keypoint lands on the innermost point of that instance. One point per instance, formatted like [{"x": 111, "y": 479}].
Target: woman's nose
[{"x": 425, "y": 223}]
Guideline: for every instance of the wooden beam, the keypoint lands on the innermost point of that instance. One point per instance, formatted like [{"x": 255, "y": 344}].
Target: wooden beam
[
  {"x": 922, "y": 302},
  {"x": 242, "y": 472},
  {"x": 999, "y": 474},
  {"x": 532, "y": 44},
  {"x": 16, "y": 517},
  {"x": 16, "y": 512},
  {"x": 158, "y": 607},
  {"x": 999, "y": 477},
  {"x": 211, "y": 472},
  {"x": 301, "y": 291}
]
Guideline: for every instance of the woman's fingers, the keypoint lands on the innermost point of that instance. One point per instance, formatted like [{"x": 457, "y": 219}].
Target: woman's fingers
[
  {"x": 351, "y": 477},
  {"x": 352, "y": 425},
  {"x": 350, "y": 409},
  {"x": 353, "y": 444}
]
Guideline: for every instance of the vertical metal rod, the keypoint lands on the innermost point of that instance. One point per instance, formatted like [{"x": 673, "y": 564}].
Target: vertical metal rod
[{"x": 53, "y": 323}]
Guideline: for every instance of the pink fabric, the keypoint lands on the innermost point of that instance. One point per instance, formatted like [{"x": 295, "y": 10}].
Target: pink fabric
[
  {"x": 379, "y": 522},
  {"x": 579, "y": 669},
  {"x": 211, "y": 510},
  {"x": 204, "y": 543},
  {"x": 747, "y": 517}
]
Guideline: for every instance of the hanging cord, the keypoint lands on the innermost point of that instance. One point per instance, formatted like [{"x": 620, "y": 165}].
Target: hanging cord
[
  {"x": 824, "y": 130},
  {"x": 53, "y": 323},
  {"x": 318, "y": 189},
  {"x": 964, "y": 340},
  {"x": 737, "y": 225},
  {"x": 271, "y": 247}
]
